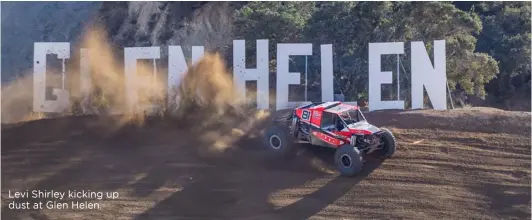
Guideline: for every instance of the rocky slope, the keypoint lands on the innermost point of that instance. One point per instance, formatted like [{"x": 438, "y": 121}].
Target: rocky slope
[
  {"x": 128, "y": 23},
  {"x": 24, "y": 23}
]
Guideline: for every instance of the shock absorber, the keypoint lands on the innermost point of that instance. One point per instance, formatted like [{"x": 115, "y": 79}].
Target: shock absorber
[{"x": 353, "y": 140}]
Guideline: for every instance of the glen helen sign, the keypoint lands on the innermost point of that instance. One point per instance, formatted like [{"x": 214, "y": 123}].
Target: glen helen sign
[{"x": 424, "y": 74}]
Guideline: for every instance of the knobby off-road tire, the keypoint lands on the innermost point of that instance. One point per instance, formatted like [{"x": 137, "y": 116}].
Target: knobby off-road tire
[
  {"x": 348, "y": 160},
  {"x": 277, "y": 140},
  {"x": 389, "y": 144}
]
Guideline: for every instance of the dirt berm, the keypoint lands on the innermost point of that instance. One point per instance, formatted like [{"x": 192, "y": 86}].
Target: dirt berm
[{"x": 459, "y": 164}]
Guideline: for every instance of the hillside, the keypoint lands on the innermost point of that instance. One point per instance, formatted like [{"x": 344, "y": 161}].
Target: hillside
[
  {"x": 492, "y": 38},
  {"x": 128, "y": 23},
  {"x": 459, "y": 164},
  {"x": 41, "y": 22}
]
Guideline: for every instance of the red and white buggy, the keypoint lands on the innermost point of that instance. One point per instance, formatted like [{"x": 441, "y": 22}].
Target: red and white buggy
[{"x": 335, "y": 125}]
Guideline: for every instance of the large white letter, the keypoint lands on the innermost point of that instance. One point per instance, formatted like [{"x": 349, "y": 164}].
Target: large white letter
[
  {"x": 260, "y": 73},
  {"x": 177, "y": 67},
  {"x": 284, "y": 76},
  {"x": 327, "y": 91},
  {"x": 377, "y": 77},
  {"x": 40, "y": 104},
  {"x": 131, "y": 55},
  {"x": 434, "y": 78}
]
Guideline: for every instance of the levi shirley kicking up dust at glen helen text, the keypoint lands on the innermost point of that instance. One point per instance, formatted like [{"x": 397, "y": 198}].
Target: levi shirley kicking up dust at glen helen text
[{"x": 57, "y": 200}]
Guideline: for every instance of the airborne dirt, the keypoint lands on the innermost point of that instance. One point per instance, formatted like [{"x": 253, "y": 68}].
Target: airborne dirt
[{"x": 460, "y": 164}]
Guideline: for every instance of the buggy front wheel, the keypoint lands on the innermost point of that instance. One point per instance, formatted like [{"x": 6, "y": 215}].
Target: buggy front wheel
[
  {"x": 388, "y": 144},
  {"x": 348, "y": 160}
]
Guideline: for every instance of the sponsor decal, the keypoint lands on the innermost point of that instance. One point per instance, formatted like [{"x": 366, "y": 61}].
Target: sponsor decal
[
  {"x": 327, "y": 138},
  {"x": 316, "y": 115}
]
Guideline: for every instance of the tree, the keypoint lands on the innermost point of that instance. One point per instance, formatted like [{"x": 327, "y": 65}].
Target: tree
[
  {"x": 280, "y": 22},
  {"x": 352, "y": 26},
  {"x": 506, "y": 36},
  {"x": 349, "y": 26}
]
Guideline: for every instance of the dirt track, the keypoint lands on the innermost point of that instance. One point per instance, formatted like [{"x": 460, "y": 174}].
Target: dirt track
[{"x": 464, "y": 164}]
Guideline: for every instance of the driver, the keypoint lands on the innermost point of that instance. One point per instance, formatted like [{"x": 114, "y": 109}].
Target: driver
[
  {"x": 344, "y": 116},
  {"x": 339, "y": 124}
]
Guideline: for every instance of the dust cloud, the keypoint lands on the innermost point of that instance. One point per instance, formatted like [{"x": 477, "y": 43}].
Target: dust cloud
[{"x": 205, "y": 98}]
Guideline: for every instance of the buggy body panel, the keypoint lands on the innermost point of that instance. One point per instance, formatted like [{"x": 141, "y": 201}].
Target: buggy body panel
[{"x": 332, "y": 124}]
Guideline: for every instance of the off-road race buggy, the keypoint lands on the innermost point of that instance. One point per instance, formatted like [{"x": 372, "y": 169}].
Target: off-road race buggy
[{"x": 335, "y": 125}]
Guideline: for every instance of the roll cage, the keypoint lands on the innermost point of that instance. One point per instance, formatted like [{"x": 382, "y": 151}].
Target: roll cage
[{"x": 341, "y": 120}]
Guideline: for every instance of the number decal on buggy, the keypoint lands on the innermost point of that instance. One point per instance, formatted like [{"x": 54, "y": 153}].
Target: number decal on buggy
[{"x": 305, "y": 115}]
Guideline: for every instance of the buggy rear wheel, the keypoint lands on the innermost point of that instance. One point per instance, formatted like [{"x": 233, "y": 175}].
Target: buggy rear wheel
[
  {"x": 348, "y": 160},
  {"x": 277, "y": 140}
]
